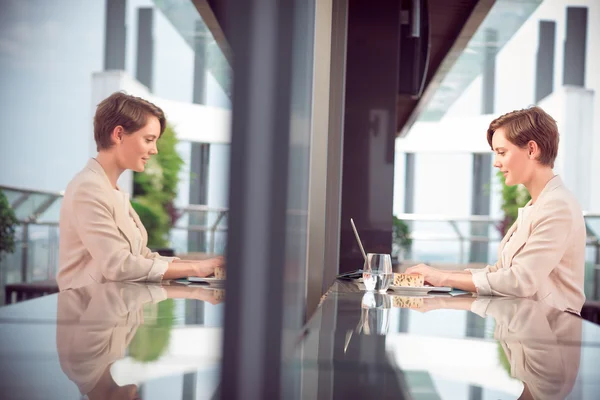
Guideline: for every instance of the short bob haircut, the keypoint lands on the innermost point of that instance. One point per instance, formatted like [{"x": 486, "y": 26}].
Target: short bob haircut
[
  {"x": 531, "y": 123},
  {"x": 125, "y": 110}
]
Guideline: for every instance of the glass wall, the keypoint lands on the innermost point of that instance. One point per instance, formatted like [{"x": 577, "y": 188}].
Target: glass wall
[
  {"x": 524, "y": 53},
  {"x": 294, "y": 293},
  {"x": 52, "y": 74},
  {"x": 53, "y": 71}
]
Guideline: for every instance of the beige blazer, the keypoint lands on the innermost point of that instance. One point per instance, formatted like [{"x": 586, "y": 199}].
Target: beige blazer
[
  {"x": 542, "y": 344},
  {"x": 97, "y": 237},
  {"x": 545, "y": 259}
]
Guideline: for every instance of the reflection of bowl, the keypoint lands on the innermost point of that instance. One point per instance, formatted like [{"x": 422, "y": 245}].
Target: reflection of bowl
[
  {"x": 219, "y": 294},
  {"x": 407, "y": 302},
  {"x": 376, "y": 300}
]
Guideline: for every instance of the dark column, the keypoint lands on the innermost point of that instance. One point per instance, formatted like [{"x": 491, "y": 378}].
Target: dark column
[
  {"x": 194, "y": 313},
  {"x": 189, "y": 385},
  {"x": 544, "y": 69},
  {"x": 409, "y": 183},
  {"x": 261, "y": 36},
  {"x": 475, "y": 329},
  {"x": 575, "y": 45},
  {"x": 199, "y": 94},
  {"x": 114, "y": 36},
  {"x": 482, "y": 174},
  {"x": 198, "y": 193},
  {"x": 200, "y": 151},
  {"x": 480, "y": 204},
  {"x": 475, "y": 392},
  {"x": 335, "y": 141},
  {"x": 369, "y": 128},
  {"x": 409, "y": 192},
  {"x": 145, "y": 47},
  {"x": 404, "y": 321},
  {"x": 489, "y": 71}
]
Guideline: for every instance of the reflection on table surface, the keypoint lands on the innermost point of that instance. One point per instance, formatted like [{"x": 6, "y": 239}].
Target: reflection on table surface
[
  {"x": 366, "y": 344},
  {"x": 128, "y": 341},
  {"x": 114, "y": 340}
]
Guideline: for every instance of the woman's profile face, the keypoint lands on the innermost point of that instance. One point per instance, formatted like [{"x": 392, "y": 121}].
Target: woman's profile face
[
  {"x": 514, "y": 162},
  {"x": 136, "y": 148}
]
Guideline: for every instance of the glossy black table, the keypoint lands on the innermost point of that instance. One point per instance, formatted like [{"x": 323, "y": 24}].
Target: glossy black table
[
  {"x": 365, "y": 345},
  {"x": 114, "y": 340},
  {"x": 164, "y": 342}
]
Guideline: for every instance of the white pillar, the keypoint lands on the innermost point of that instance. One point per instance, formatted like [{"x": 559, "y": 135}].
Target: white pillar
[{"x": 572, "y": 107}]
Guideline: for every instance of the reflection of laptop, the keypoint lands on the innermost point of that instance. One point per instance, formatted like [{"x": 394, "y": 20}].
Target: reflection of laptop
[
  {"x": 211, "y": 280},
  {"x": 351, "y": 275}
]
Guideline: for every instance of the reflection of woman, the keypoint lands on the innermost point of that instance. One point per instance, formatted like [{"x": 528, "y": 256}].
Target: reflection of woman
[
  {"x": 96, "y": 325},
  {"x": 541, "y": 343},
  {"x": 101, "y": 236},
  {"x": 542, "y": 255}
]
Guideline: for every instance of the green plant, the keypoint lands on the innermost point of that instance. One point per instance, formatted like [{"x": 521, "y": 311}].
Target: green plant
[
  {"x": 155, "y": 220},
  {"x": 513, "y": 198},
  {"x": 152, "y": 338},
  {"x": 401, "y": 233},
  {"x": 503, "y": 359},
  {"x": 8, "y": 223},
  {"x": 155, "y": 190}
]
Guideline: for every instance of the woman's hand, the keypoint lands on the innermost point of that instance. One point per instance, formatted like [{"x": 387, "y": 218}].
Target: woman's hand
[
  {"x": 193, "y": 292},
  {"x": 430, "y": 304},
  {"x": 433, "y": 276},
  {"x": 200, "y": 268},
  {"x": 204, "y": 268},
  {"x": 208, "y": 295},
  {"x": 446, "y": 303}
]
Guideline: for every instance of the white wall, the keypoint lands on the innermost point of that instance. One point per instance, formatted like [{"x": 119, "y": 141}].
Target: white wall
[
  {"x": 515, "y": 63},
  {"x": 573, "y": 109},
  {"x": 45, "y": 78},
  {"x": 463, "y": 128},
  {"x": 515, "y": 88}
]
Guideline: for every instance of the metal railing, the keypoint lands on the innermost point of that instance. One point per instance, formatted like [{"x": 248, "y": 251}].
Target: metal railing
[
  {"x": 37, "y": 235},
  {"x": 212, "y": 228},
  {"x": 592, "y": 221},
  {"x": 32, "y": 207}
]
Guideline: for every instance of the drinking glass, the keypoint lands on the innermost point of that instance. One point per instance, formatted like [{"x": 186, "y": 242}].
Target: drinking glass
[{"x": 377, "y": 272}]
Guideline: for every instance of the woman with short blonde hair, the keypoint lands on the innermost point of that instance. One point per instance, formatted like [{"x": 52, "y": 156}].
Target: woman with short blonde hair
[
  {"x": 101, "y": 235},
  {"x": 543, "y": 254}
]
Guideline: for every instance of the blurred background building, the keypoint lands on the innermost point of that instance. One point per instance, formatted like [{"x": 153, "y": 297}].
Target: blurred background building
[{"x": 356, "y": 109}]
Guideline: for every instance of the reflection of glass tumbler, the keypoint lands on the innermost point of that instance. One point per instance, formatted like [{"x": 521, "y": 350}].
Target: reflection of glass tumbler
[
  {"x": 377, "y": 272},
  {"x": 375, "y": 314},
  {"x": 376, "y": 300}
]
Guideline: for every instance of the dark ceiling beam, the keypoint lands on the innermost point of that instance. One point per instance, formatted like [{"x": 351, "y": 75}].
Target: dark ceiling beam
[
  {"x": 453, "y": 25},
  {"x": 214, "y": 17}
]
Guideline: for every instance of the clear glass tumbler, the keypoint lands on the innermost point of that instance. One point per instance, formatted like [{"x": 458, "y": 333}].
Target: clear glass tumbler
[{"x": 377, "y": 272}]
